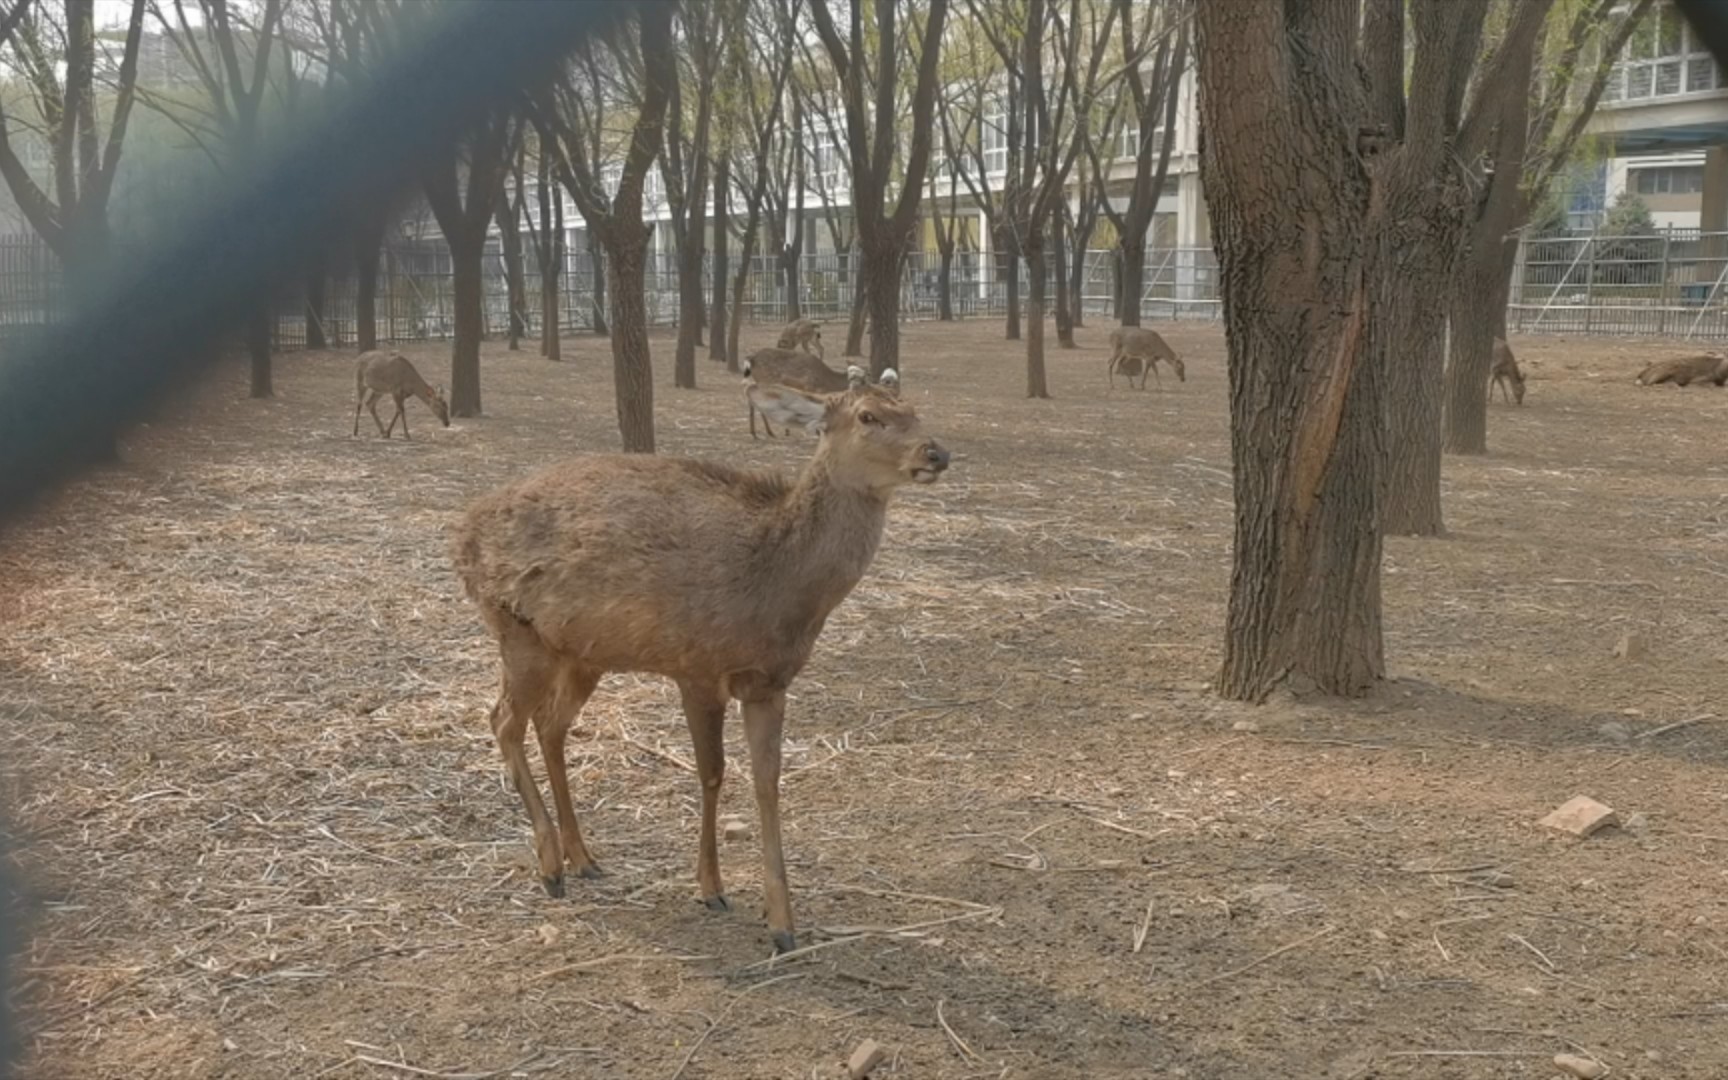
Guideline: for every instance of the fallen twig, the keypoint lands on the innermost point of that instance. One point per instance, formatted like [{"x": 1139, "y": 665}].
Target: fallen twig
[
  {"x": 1144, "y": 929},
  {"x": 1273, "y": 955},
  {"x": 403, "y": 1066},
  {"x": 724, "y": 1013},
  {"x": 966, "y": 1052},
  {"x": 1540, "y": 955},
  {"x": 1675, "y": 726}
]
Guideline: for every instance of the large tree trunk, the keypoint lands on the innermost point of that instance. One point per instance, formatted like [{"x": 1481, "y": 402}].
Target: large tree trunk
[
  {"x": 1076, "y": 283},
  {"x": 368, "y": 250},
  {"x": 466, "y": 284},
  {"x": 515, "y": 273},
  {"x": 1010, "y": 264},
  {"x": 315, "y": 279},
  {"x": 1036, "y": 386},
  {"x": 632, "y": 364},
  {"x": 1059, "y": 271},
  {"x": 597, "y": 275},
  {"x": 1293, "y": 225},
  {"x": 860, "y": 300},
  {"x": 1408, "y": 338},
  {"x": 1131, "y": 281},
  {"x": 945, "y": 285},
  {"x": 1478, "y": 295},
  {"x": 551, "y": 277},
  {"x": 258, "y": 350},
  {"x": 722, "y": 228},
  {"x": 690, "y": 310},
  {"x": 880, "y": 281},
  {"x": 789, "y": 263}
]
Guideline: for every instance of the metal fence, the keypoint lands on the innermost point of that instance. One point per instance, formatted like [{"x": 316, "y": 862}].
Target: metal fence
[{"x": 1671, "y": 284}]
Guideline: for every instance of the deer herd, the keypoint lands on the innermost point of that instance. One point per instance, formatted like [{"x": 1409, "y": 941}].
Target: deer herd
[{"x": 716, "y": 577}]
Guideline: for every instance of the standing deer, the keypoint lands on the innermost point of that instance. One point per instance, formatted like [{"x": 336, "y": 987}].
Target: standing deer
[
  {"x": 803, "y": 334},
  {"x": 781, "y": 403},
  {"x": 1506, "y": 373},
  {"x": 1136, "y": 351},
  {"x": 783, "y": 367},
  {"x": 714, "y": 577},
  {"x": 380, "y": 373},
  {"x": 1686, "y": 370}
]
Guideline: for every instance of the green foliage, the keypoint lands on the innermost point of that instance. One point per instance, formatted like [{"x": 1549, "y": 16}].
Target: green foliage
[{"x": 1629, "y": 216}]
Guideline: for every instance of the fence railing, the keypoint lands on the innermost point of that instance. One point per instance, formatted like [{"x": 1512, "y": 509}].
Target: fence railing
[{"x": 1671, "y": 284}]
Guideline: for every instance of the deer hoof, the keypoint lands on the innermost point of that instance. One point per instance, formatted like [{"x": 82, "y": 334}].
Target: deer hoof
[
  {"x": 784, "y": 942},
  {"x": 554, "y": 886},
  {"x": 717, "y": 902},
  {"x": 590, "y": 872}
]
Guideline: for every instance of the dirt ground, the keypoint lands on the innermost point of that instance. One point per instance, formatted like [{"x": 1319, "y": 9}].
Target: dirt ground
[{"x": 270, "y": 837}]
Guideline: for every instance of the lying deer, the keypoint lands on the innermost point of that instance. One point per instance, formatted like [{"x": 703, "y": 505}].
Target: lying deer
[
  {"x": 380, "y": 373},
  {"x": 803, "y": 334},
  {"x": 1506, "y": 373},
  {"x": 1708, "y": 367},
  {"x": 714, "y": 577},
  {"x": 1136, "y": 351}
]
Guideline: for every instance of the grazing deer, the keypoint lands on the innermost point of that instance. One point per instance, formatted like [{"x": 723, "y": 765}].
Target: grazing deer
[
  {"x": 780, "y": 403},
  {"x": 717, "y": 578},
  {"x": 1708, "y": 367},
  {"x": 803, "y": 334},
  {"x": 783, "y": 367},
  {"x": 1136, "y": 351},
  {"x": 1506, "y": 373},
  {"x": 380, "y": 373}
]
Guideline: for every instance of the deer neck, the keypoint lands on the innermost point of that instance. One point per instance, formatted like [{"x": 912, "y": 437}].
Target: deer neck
[{"x": 827, "y": 534}]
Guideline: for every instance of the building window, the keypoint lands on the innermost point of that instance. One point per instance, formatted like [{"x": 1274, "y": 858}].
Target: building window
[
  {"x": 996, "y": 138},
  {"x": 1663, "y": 58},
  {"x": 1668, "y": 180},
  {"x": 1130, "y": 141}
]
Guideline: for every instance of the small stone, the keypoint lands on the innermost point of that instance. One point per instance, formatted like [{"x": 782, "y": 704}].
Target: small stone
[
  {"x": 1580, "y": 816},
  {"x": 1653, "y": 1055},
  {"x": 734, "y": 829},
  {"x": 866, "y": 1057},
  {"x": 1379, "y": 935},
  {"x": 1139, "y": 716},
  {"x": 230, "y": 1045},
  {"x": 1629, "y": 647},
  {"x": 548, "y": 933},
  {"x": 1248, "y": 726},
  {"x": 1615, "y": 732},
  {"x": 460, "y": 1029},
  {"x": 1583, "y": 1068}
]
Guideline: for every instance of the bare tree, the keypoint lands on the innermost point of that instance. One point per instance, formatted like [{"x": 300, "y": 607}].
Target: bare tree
[
  {"x": 1053, "y": 141},
  {"x": 769, "y": 42},
  {"x": 685, "y": 165},
  {"x": 509, "y": 220},
  {"x": 1294, "y": 224},
  {"x": 1531, "y": 146},
  {"x": 546, "y": 238},
  {"x": 462, "y": 191},
  {"x": 979, "y": 90},
  {"x": 617, "y": 221},
  {"x": 871, "y": 129},
  {"x": 1152, "y": 105},
  {"x": 1426, "y": 134},
  {"x": 785, "y": 200}
]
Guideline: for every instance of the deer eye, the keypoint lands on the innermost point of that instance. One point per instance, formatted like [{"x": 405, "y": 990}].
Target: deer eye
[{"x": 869, "y": 418}]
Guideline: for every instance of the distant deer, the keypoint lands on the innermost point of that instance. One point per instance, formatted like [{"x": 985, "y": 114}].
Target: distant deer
[
  {"x": 1506, "y": 373},
  {"x": 380, "y": 373},
  {"x": 1136, "y": 351},
  {"x": 782, "y": 404},
  {"x": 803, "y": 334},
  {"x": 1708, "y": 367},
  {"x": 717, "y": 578}
]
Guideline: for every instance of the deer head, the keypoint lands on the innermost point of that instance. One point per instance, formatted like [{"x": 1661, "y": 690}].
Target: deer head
[
  {"x": 871, "y": 439},
  {"x": 440, "y": 406}
]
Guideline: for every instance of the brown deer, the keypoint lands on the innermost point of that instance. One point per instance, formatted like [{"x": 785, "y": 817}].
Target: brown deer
[
  {"x": 1708, "y": 367},
  {"x": 782, "y": 403},
  {"x": 379, "y": 373},
  {"x": 775, "y": 366},
  {"x": 1136, "y": 351},
  {"x": 718, "y": 578},
  {"x": 803, "y": 334},
  {"x": 1506, "y": 373}
]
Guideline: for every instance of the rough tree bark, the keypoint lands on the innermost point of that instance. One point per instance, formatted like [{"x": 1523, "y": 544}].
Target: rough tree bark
[
  {"x": 619, "y": 224},
  {"x": 463, "y": 217},
  {"x": 368, "y": 251},
  {"x": 1294, "y": 221},
  {"x": 685, "y": 167},
  {"x": 717, "y": 338},
  {"x": 509, "y": 219},
  {"x": 1059, "y": 274},
  {"x": 871, "y": 133}
]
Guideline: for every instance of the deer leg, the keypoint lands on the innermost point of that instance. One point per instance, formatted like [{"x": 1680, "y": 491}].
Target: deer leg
[
  {"x": 705, "y": 711},
  {"x": 1152, "y": 370},
  {"x": 359, "y": 403},
  {"x": 1112, "y": 373},
  {"x": 763, "y": 721},
  {"x": 572, "y": 692},
  {"x": 402, "y": 413},
  {"x": 527, "y": 677},
  {"x": 372, "y": 406}
]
